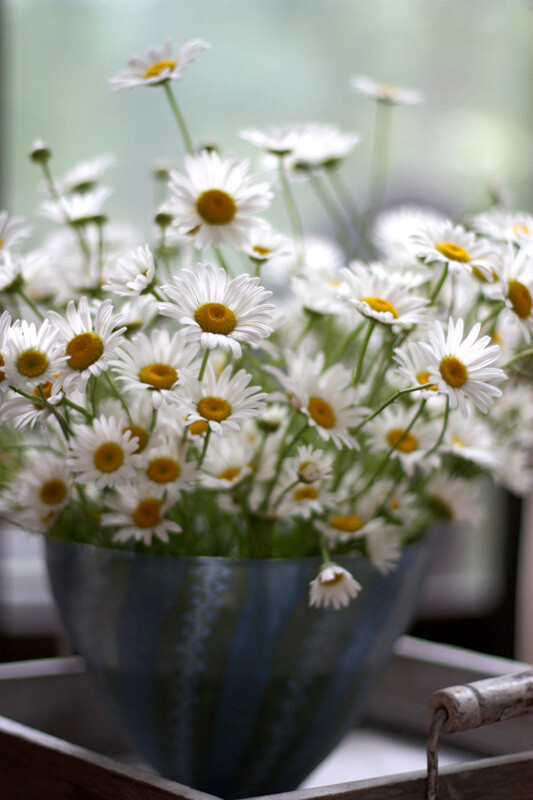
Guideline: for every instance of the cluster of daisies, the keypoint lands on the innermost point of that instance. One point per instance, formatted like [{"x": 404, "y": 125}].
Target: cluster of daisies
[{"x": 218, "y": 387}]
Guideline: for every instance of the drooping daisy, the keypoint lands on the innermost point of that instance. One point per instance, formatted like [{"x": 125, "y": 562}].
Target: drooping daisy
[
  {"x": 333, "y": 586},
  {"x": 154, "y": 364},
  {"x": 391, "y": 429},
  {"x": 23, "y": 411},
  {"x": 32, "y": 355},
  {"x": 378, "y": 297},
  {"x": 278, "y": 140},
  {"x": 139, "y": 513},
  {"x": 385, "y": 92},
  {"x": 461, "y": 367},
  {"x": 384, "y": 548},
  {"x": 13, "y": 231},
  {"x": 77, "y": 209},
  {"x": 132, "y": 274},
  {"x": 515, "y": 287},
  {"x": 216, "y": 202},
  {"x": 216, "y": 312},
  {"x": 319, "y": 291},
  {"x": 451, "y": 244},
  {"x": 104, "y": 453},
  {"x": 89, "y": 339},
  {"x": 85, "y": 176},
  {"x": 160, "y": 65},
  {"x": 266, "y": 243},
  {"x": 223, "y": 401}
]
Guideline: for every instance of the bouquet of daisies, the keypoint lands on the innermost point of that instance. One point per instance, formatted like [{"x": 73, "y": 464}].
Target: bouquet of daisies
[{"x": 217, "y": 387}]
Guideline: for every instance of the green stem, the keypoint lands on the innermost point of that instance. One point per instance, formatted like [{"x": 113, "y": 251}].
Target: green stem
[
  {"x": 383, "y": 463},
  {"x": 380, "y": 155},
  {"x": 31, "y": 304},
  {"x": 221, "y": 260},
  {"x": 362, "y": 353},
  {"x": 494, "y": 313},
  {"x": 204, "y": 364},
  {"x": 119, "y": 397},
  {"x": 204, "y": 448},
  {"x": 179, "y": 118},
  {"x": 56, "y": 197},
  {"x": 44, "y": 402},
  {"x": 444, "y": 426},
  {"x": 518, "y": 357},
  {"x": 435, "y": 293},
  {"x": 156, "y": 294},
  {"x": 332, "y": 211},
  {"x": 78, "y": 408},
  {"x": 283, "y": 454},
  {"x": 292, "y": 210},
  {"x": 398, "y": 393},
  {"x": 348, "y": 204}
]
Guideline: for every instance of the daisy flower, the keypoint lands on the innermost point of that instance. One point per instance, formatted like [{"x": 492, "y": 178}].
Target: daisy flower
[
  {"x": 160, "y": 65},
  {"x": 216, "y": 312},
  {"x": 13, "y": 231},
  {"x": 385, "y": 92},
  {"x": 319, "y": 291},
  {"x": 10, "y": 271},
  {"x": 133, "y": 273},
  {"x": 451, "y": 244},
  {"x": 32, "y": 355},
  {"x": 229, "y": 462},
  {"x": 344, "y": 524},
  {"x": 310, "y": 464},
  {"x": 265, "y": 243},
  {"x": 515, "y": 287},
  {"x": 461, "y": 367},
  {"x": 45, "y": 485},
  {"x": 165, "y": 463},
  {"x": 26, "y": 412},
  {"x": 379, "y": 298},
  {"x": 333, "y": 586},
  {"x": 302, "y": 499},
  {"x": 278, "y": 140},
  {"x": 78, "y": 209},
  {"x": 223, "y": 401},
  {"x": 86, "y": 175},
  {"x": 104, "y": 453},
  {"x": 389, "y": 430},
  {"x": 154, "y": 363},
  {"x": 393, "y": 228},
  {"x": 505, "y": 226},
  {"x": 321, "y": 147},
  {"x": 216, "y": 202},
  {"x": 451, "y": 500},
  {"x": 139, "y": 513},
  {"x": 413, "y": 366},
  {"x": 89, "y": 339},
  {"x": 473, "y": 440}
]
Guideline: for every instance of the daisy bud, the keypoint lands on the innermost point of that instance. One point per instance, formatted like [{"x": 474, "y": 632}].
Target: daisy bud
[
  {"x": 271, "y": 419},
  {"x": 163, "y": 217},
  {"x": 161, "y": 169},
  {"x": 334, "y": 586},
  {"x": 40, "y": 152},
  {"x": 210, "y": 146}
]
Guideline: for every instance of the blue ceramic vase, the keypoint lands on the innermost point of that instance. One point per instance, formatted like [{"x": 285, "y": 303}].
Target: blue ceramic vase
[{"x": 224, "y": 677}]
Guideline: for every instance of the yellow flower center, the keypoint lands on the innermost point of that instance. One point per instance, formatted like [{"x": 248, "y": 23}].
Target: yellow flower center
[
  {"x": 458, "y": 441},
  {"x": 156, "y": 69},
  {"x": 423, "y": 378},
  {"x": 338, "y": 577},
  {"x": 230, "y": 474},
  {"x": 520, "y": 298},
  {"x": 215, "y": 318},
  {"x": 83, "y": 350},
  {"x": 140, "y": 433},
  {"x": 148, "y": 513},
  {"x": 32, "y": 363},
  {"x": 198, "y": 427},
  {"x": 453, "y": 371},
  {"x": 321, "y": 412},
  {"x": 160, "y": 376},
  {"x": 453, "y": 251},
  {"x": 520, "y": 229},
  {"x": 302, "y": 493},
  {"x": 261, "y": 251},
  {"x": 1, "y": 243},
  {"x": 214, "y": 408},
  {"x": 408, "y": 444},
  {"x": 108, "y": 457},
  {"x": 163, "y": 470},
  {"x": 380, "y": 305},
  {"x": 216, "y": 207},
  {"x": 348, "y": 523},
  {"x": 53, "y": 492},
  {"x": 481, "y": 276}
]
